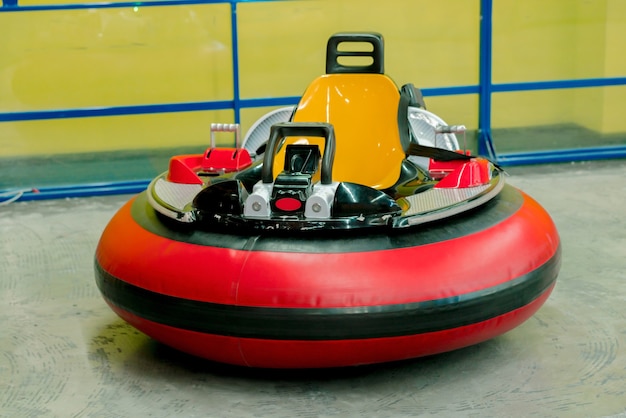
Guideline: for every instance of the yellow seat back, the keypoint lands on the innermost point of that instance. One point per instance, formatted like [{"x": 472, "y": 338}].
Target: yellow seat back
[{"x": 363, "y": 108}]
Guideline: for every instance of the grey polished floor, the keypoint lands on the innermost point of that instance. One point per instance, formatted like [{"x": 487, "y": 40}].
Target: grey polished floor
[{"x": 64, "y": 353}]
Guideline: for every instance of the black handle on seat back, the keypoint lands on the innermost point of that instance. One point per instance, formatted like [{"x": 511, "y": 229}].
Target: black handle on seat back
[
  {"x": 333, "y": 53},
  {"x": 317, "y": 129}
]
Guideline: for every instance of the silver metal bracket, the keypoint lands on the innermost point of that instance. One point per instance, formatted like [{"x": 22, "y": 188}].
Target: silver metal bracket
[{"x": 319, "y": 204}]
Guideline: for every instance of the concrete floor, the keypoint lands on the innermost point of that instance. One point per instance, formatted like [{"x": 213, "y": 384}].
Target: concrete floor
[{"x": 64, "y": 353}]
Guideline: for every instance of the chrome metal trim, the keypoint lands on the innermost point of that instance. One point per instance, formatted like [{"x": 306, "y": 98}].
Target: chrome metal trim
[
  {"x": 435, "y": 204},
  {"x": 168, "y": 205}
]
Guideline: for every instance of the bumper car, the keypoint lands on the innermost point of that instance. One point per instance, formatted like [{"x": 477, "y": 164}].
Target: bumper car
[{"x": 350, "y": 229}]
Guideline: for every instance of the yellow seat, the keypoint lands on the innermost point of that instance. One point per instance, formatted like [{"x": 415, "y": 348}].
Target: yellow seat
[{"x": 363, "y": 108}]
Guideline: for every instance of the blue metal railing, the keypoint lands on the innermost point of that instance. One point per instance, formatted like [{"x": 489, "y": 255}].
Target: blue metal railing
[
  {"x": 486, "y": 144},
  {"x": 485, "y": 88},
  {"x": 485, "y": 141}
]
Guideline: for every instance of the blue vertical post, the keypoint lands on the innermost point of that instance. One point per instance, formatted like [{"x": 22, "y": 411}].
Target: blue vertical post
[
  {"x": 485, "y": 141},
  {"x": 235, "y": 52}
]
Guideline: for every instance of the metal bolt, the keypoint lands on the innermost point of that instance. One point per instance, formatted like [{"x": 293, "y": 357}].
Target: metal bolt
[
  {"x": 256, "y": 206},
  {"x": 316, "y": 207}
]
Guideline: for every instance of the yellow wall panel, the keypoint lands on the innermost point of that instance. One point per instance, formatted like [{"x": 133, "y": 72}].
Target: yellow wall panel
[
  {"x": 548, "y": 40},
  {"x": 615, "y": 64},
  {"x": 112, "y": 57},
  {"x": 282, "y": 44}
]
